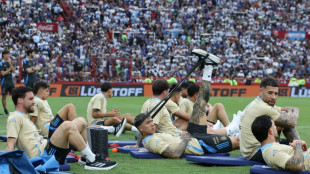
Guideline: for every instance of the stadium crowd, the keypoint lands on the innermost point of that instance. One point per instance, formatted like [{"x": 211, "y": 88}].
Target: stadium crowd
[{"x": 157, "y": 37}]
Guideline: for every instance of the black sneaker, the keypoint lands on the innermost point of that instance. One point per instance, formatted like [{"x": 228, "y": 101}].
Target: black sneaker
[
  {"x": 6, "y": 112},
  {"x": 120, "y": 127},
  {"x": 100, "y": 164},
  {"x": 82, "y": 161}
]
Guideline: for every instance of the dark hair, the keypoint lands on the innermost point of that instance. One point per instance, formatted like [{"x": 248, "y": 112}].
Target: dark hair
[
  {"x": 39, "y": 85},
  {"x": 159, "y": 86},
  {"x": 268, "y": 81},
  {"x": 186, "y": 84},
  {"x": 192, "y": 90},
  {"x": 260, "y": 127},
  {"x": 5, "y": 52},
  {"x": 29, "y": 51},
  {"x": 174, "y": 85},
  {"x": 140, "y": 119},
  {"x": 105, "y": 87},
  {"x": 20, "y": 92}
]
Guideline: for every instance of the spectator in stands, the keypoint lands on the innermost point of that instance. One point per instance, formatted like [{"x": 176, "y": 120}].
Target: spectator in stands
[{"x": 150, "y": 34}]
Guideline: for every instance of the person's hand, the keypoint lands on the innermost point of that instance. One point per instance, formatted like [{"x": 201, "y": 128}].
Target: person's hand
[
  {"x": 130, "y": 146},
  {"x": 142, "y": 149},
  {"x": 185, "y": 135},
  {"x": 9, "y": 60},
  {"x": 209, "y": 106},
  {"x": 210, "y": 125},
  {"x": 303, "y": 144},
  {"x": 114, "y": 113},
  {"x": 284, "y": 109}
]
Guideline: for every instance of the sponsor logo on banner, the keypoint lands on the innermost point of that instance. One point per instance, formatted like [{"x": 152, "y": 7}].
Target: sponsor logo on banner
[
  {"x": 234, "y": 91},
  {"x": 243, "y": 91},
  {"x": 284, "y": 91},
  {"x": 91, "y": 90},
  {"x": 47, "y": 27},
  {"x": 300, "y": 92},
  {"x": 72, "y": 90}
]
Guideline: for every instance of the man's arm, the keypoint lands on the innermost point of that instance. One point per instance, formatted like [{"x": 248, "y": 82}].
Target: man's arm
[
  {"x": 182, "y": 114},
  {"x": 11, "y": 66},
  {"x": 288, "y": 118},
  {"x": 296, "y": 162},
  {"x": 176, "y": 153},
  {"x": 6, "y": 72},
  {"x": 10, "y": 144},
  {"x": 98, "y": 114},
  {"x": 36, "y": 68},
  {"x": 199, "y": 109}
]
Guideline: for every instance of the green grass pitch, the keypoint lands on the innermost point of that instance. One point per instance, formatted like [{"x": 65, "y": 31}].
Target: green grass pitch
[{"x": 132, "y": 105}]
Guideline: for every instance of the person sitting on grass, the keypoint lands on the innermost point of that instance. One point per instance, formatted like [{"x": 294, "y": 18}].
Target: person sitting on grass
[
  {"x": 196, "y": 140},
  {"x": 23, "y": 134},
  {"x": 285, "y": 119},
  {"x": 214, "y": 114},
  {"x": 293, "y": 157},
  {"x": 43, "y": 117},
  {"x": 97, "y": 112}
]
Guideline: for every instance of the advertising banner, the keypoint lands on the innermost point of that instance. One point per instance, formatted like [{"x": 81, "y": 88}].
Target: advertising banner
[
  {"x": 47, "y": 27},
  {"x": 55, "y": 89},
  {"x": 86, "y": 90},
  {"x": 300, "y": 92},
  {"x": 127, "y": 90}
]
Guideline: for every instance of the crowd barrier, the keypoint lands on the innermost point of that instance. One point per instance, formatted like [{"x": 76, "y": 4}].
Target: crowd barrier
[{"x": 145, "y": 89}]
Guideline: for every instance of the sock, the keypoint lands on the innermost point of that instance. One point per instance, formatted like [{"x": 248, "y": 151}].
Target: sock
[
  {"x": 133, "y": 128},
  {"x": 110, "y": 129},
  {"x": 88, "y": 154},
  {"x": 228, "y": 130},
  {"x": 207, "y": 73}
]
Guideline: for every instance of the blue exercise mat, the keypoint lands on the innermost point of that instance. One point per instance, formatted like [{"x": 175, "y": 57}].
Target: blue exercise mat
[
  {"x": 223, "y": 160},
  {"x": 124, "y": 143},
  {"x": 70, "y": 159},
  {"x": 64, "y": 167},
  {"x": 150, "y": 155},
  {"x": 126, "y": 150},
  {"x": 262, "y": 169},
  {"x": 3, "y": 137}
]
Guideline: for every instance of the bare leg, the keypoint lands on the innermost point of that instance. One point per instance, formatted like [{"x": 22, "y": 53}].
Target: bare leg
[
  {"x": 291, "y": 134},
  {"x": 129, "y": 118},
  {"x": 4, "y": 101},
  {"x": 79, "y": 122},
  {"x": 112, "y": 121},
  {"x": 68, "y": 112},
  {"x": 235, "y": 143},
  {"x": 199, "y": 109},
  {"x": 221, "y": 131},
  {"x": 218, "y": 113},
  {"x": 68, "y": 132}
]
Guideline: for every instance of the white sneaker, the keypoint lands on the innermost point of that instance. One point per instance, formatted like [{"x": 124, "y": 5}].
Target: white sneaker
[
  {"x": 218, "y": 125},
  {"x": 99, "y": 164},
  {"x": 233, "y": 127},
  {"x": 209, "y": 58},
  {"x": 120, "y": 127}
]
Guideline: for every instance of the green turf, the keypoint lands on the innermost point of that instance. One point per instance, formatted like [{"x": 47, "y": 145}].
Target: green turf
[{"x": 132, "y": 105}]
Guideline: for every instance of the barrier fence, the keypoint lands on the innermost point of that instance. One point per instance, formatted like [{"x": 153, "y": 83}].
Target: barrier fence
[{"x": 145, "y": 89}]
